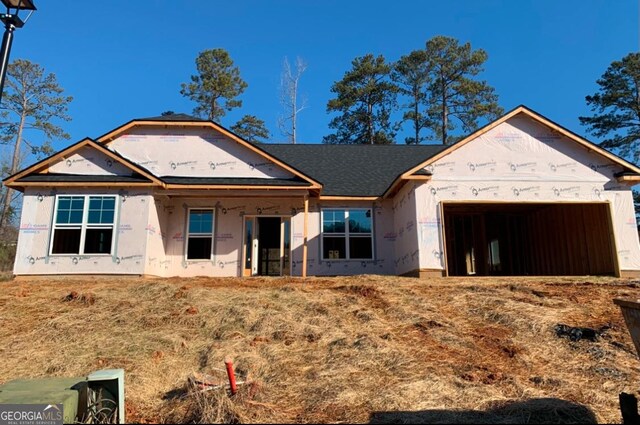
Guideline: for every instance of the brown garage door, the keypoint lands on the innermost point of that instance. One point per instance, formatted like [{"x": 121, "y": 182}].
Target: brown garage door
[{"x": 528, "y": 239}]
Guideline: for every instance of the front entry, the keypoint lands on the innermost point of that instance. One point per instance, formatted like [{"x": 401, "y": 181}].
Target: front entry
[{"x": 267, "y": 246}]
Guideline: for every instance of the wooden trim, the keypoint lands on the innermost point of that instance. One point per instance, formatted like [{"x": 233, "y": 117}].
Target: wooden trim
[
  {"x": 305, "y": 236},
  {"x": 614, "y": 245},
  {"x": 107, "y": 138},
  {"x": 417, "y": 177},
  {"x": 80, "y": 184},
  {"x": 523, "y": 201},
  {"x": 348, "y": 198},
  {"x": 443, "y": 231},
  {"x": 395, "y": 187},
  {"x": 424, "y": 273},
  {"x": 46, "y": 163},
  {"x": 634, "y": 274},
  {"x": 623, "y": 179},
  {"x": 230, "y": 187}
]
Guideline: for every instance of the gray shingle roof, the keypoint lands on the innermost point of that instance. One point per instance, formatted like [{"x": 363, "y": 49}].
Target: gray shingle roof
[
  {"x": 353, "y": 170},
  {"x": 235, "y": 181},
  {"x": 172, "y": 117}
]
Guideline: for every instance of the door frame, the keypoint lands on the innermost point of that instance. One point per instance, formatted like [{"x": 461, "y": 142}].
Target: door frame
[{"x": 254, "y": 242}]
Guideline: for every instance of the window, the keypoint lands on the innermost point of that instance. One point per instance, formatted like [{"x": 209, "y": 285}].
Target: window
[
  {"x": 200, "y": 235},
  {"x": 83, "y": 224},
  {"x": 347, "y": 234}
]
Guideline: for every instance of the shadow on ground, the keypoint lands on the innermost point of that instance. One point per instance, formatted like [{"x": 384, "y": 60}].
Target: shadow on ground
[{"x": 536, "y": 411}]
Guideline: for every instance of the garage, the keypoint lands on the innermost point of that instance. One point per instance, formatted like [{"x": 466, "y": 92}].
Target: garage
[{"x": 528, "y": 239}]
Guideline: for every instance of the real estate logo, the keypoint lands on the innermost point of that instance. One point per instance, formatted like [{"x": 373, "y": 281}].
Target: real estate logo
[{"x": 31, "y": 414}]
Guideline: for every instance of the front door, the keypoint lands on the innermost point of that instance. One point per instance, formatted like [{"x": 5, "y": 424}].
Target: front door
[{"x": 266, "y": 246}]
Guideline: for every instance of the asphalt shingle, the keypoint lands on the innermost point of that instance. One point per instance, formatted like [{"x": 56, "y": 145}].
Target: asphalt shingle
[{"x": 352, "y": 170}]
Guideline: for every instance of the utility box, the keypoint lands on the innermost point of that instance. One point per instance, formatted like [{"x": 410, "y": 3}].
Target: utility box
[
  {"x": 631, "y": 312},
  {"x": 97, "y": 398}
]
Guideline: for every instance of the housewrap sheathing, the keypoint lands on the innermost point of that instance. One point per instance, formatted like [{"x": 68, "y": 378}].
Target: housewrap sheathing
[
  {"x": 89, "y": 161},
  {"x": 193, "y": 153},
  {"x": 167, "y": 223},
  {"x": 129, "y": 256},
  {"x": 521, "y": 160}
]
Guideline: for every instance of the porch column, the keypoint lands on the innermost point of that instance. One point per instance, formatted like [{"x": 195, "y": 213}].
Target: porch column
[{"x": 304, "y": 236}]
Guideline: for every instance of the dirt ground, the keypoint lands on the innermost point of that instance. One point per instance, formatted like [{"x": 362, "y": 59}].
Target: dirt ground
[{"x": 353, "y": 349}]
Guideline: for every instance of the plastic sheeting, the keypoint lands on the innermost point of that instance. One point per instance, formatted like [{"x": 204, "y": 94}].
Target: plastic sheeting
[{"x": 523, "y": 161}]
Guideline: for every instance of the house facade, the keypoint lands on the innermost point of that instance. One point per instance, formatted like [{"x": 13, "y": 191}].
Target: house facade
[{"x": 179, "y": 196}]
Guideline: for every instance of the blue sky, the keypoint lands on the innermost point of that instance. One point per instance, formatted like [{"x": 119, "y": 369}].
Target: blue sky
[{"x": 122, "y": 60}]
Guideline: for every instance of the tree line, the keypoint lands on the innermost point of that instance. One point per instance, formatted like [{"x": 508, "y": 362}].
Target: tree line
[{"x": 436, "y": 89}]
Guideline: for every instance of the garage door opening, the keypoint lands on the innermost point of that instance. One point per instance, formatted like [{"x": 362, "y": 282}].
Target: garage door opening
[{"x": 528, "y": 239}]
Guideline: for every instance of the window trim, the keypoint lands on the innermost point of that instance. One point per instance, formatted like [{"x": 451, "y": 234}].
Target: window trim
[
  {"x": 213, "y": 235},
  {"x": 346, "y": 234},
  {"x": 84, "y": 225}
]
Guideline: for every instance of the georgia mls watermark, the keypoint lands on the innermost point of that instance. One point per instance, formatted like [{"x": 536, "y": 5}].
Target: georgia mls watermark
[{"x": 31, "y": 414}]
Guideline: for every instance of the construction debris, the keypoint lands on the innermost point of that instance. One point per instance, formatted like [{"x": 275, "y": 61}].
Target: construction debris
[{"x": 577, "y": 333}]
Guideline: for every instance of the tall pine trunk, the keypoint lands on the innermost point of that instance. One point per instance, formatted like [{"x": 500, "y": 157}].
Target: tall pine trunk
[
  {"x": 15, "y": 164},
  {"x": 370, "y": 122},
  {"x": 445, "y": 114},
  {"x": 416, "y": 119}
]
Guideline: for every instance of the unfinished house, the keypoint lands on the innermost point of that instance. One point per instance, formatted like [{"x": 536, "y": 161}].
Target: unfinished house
[{"x": 179, "y": 196}]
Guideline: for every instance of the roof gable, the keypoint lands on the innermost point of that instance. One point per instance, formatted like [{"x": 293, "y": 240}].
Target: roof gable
[
  {"x": 523, "y": 149},
  {"x": 540, "y": 119},
  {"x": 155, "y": 148},
  {"x": 88, "y": 156}
]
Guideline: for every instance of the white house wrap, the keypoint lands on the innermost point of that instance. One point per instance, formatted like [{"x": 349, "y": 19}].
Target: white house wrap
[{"x": 179, "y": 196}]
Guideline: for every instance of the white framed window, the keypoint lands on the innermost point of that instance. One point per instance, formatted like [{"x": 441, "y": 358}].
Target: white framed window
[
  {"x": 347, "y": 234},
  {"x": 83, "y": 224},
  {"x": 200, "y": 231}
]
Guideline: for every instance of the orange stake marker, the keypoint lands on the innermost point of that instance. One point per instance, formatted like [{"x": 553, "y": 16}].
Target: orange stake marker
[{"x": 232, "y": 376}]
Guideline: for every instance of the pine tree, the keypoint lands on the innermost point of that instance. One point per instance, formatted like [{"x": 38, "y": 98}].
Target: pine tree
[
  {"x": 365, "y": 99},
  {"x": 216, "y": 86},
  {"x": 453, "y": 91},
  {"x": 616, "y": 107}
]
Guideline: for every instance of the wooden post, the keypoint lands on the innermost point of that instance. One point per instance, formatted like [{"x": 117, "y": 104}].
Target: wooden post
[{"x": 305, "y": 234}]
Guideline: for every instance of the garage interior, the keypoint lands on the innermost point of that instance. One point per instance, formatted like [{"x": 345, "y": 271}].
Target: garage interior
[{"x": 528, "y": 239}]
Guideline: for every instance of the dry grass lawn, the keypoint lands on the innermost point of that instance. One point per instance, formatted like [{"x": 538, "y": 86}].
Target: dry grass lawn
[{"x": 356, "y": 349}]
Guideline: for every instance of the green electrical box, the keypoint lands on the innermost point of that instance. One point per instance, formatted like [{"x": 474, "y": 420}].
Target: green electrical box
[{"x": 94, "y": 398}]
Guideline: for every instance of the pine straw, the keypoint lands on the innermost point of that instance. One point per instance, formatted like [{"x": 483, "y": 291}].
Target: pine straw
[{"x": 357, "y": 349}]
